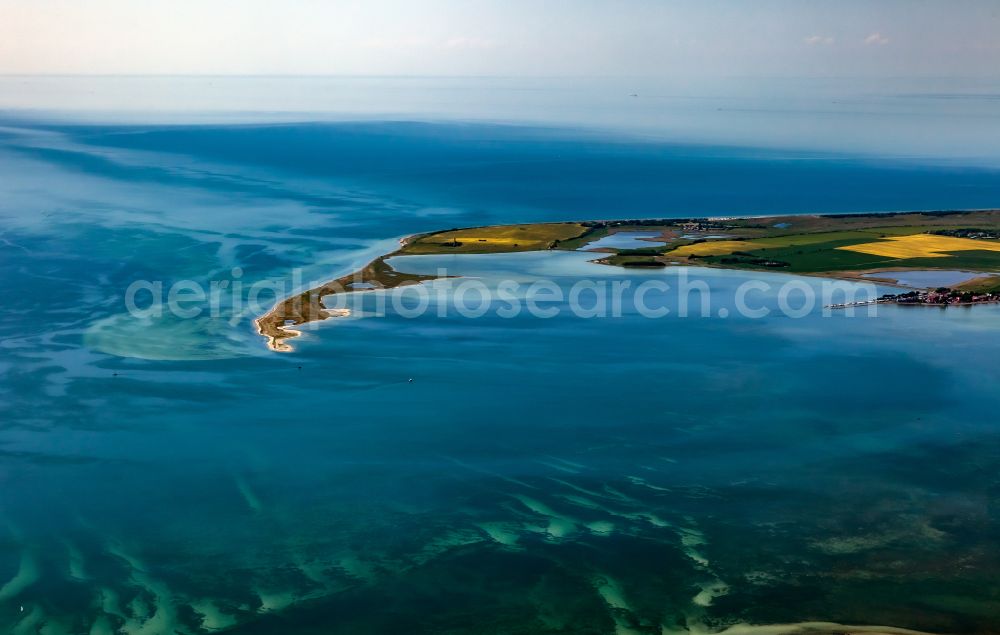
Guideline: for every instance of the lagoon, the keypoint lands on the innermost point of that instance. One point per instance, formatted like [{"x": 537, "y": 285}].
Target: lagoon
[
  {"x": 929, "y": 279},
  {"x": 625, "y": 240}
]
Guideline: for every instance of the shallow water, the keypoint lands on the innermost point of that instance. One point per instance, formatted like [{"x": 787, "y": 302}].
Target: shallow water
[
  {"x": 626, "y": 240},
  {"x": 931, "y": 278},
  {"x": 561, "y": 474}
]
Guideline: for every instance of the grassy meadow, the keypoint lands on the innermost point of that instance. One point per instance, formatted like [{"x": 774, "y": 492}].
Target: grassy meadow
[{"x": 495, "y": 239}]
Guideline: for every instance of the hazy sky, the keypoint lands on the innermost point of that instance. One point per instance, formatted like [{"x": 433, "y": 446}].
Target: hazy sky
[{"x": 503, "y": 37}]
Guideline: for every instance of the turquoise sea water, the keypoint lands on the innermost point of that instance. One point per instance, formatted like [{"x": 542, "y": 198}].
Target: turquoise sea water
[{"x": 565, "y": 475}]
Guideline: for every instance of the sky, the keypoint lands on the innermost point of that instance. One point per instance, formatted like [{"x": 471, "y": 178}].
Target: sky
[{"x": 503, "y": 37}]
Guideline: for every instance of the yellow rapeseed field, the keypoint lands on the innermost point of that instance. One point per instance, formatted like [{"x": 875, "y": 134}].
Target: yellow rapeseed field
[
  {"x": 921, "y": 246},
  {"x": 541, "y": 234},
  {"x": 496, "y": 238},
  {"x": 490, "y": 239},
  {"x": 713, "y": 248}
]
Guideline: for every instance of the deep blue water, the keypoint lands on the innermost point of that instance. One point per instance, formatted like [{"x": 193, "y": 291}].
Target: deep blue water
[
  {"x": 537, "y": 475},
  {"x": 556, "y": 173}
]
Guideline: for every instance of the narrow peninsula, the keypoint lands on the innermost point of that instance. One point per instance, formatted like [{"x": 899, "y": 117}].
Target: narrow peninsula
[{"x": 876, "y": 247}]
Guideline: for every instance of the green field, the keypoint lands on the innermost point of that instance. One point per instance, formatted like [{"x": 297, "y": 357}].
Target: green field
[
  {"x": 815, "y": 244},
  {"x": 821, "y": 253},
  {"x": 633, "y": 260}
]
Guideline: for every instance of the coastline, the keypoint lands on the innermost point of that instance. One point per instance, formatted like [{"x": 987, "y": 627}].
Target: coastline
[{"x": 279, "y": 324}]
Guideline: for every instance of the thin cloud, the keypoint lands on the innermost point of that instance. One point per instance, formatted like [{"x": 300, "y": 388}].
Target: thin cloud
[
  {"x": 816, "y": 40},
  {"x": 876, "y": 39}
]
